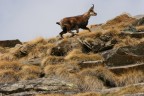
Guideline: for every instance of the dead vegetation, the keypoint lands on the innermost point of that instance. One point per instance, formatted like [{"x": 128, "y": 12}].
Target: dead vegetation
[{"x": 62, "y": 59}]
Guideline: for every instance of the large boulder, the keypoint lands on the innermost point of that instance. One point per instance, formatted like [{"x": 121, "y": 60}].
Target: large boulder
[
  {"x": 9, "y": 43},
  {"x": 38, "y": 86},
  {"x": 124, "y": 55}
]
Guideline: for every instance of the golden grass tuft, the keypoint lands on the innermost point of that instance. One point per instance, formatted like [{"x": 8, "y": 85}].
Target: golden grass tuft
[
  {"x": 29, "y": 72},
  {"x": 108, "y": 78},
  {"x": 41, "y": 50},
  {"x": 77, "y": 55},
  {"x": 128, "y": 90},
  {"x": 3, "y": 50},
  {"x": 131, "y": 77},
  {"x": 8, "y": 57},
  {"x": 14, "y": 65},
  {"x": 8, "y": 76},
  {"x": 52, "y": 40},
  {"x": 57, "y": 70},
  {"x": 87, "y": 94},
  {"x": 90, "y": 34},
  {"x": 127, "y": 41},
  {"x": 112, "y": 32},
  {"x": 52, "y": 60},
  {"x": 119, "y": 22},
  {"x": 37, "y": 40},
  {"x": 52, "y": 95},
  {"x": 92, "y": 83},
  {"x": 140, "y": 28}
]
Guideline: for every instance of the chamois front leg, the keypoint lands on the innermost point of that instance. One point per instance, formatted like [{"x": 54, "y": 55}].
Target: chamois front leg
[
  {"x": 86, "y": 28},
  {"x": 77, "y": 29}
]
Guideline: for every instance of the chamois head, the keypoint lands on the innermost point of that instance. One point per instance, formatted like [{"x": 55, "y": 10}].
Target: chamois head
[{"x": 91, "y": 11}]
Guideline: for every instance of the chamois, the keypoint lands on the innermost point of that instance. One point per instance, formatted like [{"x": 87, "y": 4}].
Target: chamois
[{"x": 76, "y": 22}]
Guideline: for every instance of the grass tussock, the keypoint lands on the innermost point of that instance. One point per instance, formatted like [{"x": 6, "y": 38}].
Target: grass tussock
[
  {"x": 52, "y": 40},
  {"x": 40, "y": 50},
  {"x": 128, "y": 90},
  {"x": 8, "y": 57},
  {"x": 8, "y": 76},
  {"x": 77, "y": 55},
  {"x": 52, "y": 95},
  {"x": 60, "y": 71},
  {"x": 127, "y": 41},
  {"x": 88, "y": 94},
  {"x": 120, "y": 22},
  {"x": 131, "y": 77},
  {"x": 52, "y": 60},
  {"x": 29, "y": 72},
  {"x": 108, "y": 78},
  {"x": 3, "y": 50},
  {"x": 111, "y": 32},
  {"x": 93, "y": 35},
  {"x": 6, "y": 65},
  {"x": 37, "y": 40},
  {"x": 140, "y": 28}
]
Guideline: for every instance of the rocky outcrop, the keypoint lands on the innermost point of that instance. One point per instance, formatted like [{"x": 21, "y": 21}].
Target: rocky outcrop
[
  {"x": 124, "y": 55},
  {"x": 9, "y": 43},
  {"x": 37, "y": 86}
]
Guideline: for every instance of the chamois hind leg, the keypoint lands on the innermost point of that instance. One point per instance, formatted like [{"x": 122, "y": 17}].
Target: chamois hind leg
[
  {"x": 86, "y": 28},
  {"x": 63, "y": 32},
  {"x": 69, "y": 31}
]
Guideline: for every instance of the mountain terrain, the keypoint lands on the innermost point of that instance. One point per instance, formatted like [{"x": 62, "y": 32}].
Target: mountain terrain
[{"x": 109, "y": 61}]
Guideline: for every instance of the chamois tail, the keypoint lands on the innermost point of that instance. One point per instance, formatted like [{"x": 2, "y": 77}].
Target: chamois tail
[{"x": 58, "y": 23}]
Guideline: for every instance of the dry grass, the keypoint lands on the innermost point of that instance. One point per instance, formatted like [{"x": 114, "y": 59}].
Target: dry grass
[
  {"x": 79, "y": 94},
  {"x": 127, "y": 41},
  {"x": 37, "y": 41},
  {"x": 8, "y": 76},
  {"x": 29, "y": 72},
  {"x": 15, "y": 65},
  {"x": 140, "y": 28},
  {"x": 3, "y": 50},
  {"x": 41, "y": 50},
  {"x": 93, "y": 35},
  {"x": 60, "y": 71},
  {"x": 52, "y": 40},
  {"x": 131, "y": 77},
  {"x": 111, "y": 32},
  {"x": 108, "y": 78},
  {"x": 128, "y": 90},
  {"x": 77, "y": 55},
  {"x": 87, "y": 94},
  {"x": 52, "y": 60},
  {"x": 8, "y": 57},
  {"x": 120, "y": 22},
  {"x": 52, "y": 95}
]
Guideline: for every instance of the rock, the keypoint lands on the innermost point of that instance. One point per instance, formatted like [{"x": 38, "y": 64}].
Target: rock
[
  {"x": 9, "y": 43},
  {"x": 37, "y": 86},
  {"x": 33, "y": 61},
  {"x": 124, "y": 55},
  {"x": 134, "y": 94},
  {"x": 139, "y": 22},
  {"x": 133, "y": 34}
]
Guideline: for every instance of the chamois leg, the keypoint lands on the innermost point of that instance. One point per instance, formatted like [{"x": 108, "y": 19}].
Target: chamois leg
[
  {"x": 77, "y": 29},
  {"x": 86, "y": 28},
  {"x": 63, "y": 32},
  {"x": 71, "y": 33}
]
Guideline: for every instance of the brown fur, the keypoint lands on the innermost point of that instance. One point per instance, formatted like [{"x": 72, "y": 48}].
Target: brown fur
[{"x": 74, "y": 23}]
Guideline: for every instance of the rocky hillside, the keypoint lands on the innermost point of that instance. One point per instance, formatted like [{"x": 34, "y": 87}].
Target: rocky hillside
[{"x": 108, "y": 61}]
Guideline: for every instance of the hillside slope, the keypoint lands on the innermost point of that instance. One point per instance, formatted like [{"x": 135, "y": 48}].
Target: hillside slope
[{"x": 111, "y": 56}]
